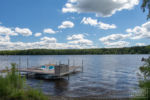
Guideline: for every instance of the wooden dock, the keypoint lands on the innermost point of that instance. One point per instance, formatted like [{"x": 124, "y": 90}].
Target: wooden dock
[
  {"x": 58, "y": 71},
  {"x": 48, "y": 72}
]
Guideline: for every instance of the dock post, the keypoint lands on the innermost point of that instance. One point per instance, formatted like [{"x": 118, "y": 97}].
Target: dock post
[
  {"x": 59, "y": 62},
  {"x": 27, "y": 62},
  {"x": 73, "y": 62},
  {"x": 82, "y": 65},
  {"x": 68, "y": 62},
  {"x": 68, "y": 69},
  {"x": 27, "y": 76},
  {"x": 27, "y": 67},
  {"x": 19, "y": 63},
  {"x": 55, "y": 62},
  {"x": 68, "y": 77},
  {"x": 7, "y": 61},
  {"x": 49, "y": 61}
]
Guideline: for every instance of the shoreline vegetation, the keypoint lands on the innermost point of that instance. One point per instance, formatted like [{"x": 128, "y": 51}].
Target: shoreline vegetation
[
  {"x": 98, "y": 51},
  {"x": 14, "y": 87},
  {"x": 144, "y": 82}
]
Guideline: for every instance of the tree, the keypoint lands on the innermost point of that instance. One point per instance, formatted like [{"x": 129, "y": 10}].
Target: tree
[{"x": 146, "y": 5}]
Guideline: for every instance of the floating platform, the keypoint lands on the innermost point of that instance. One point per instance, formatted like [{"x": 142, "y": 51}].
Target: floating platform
[{"x": 50, "y": 71}]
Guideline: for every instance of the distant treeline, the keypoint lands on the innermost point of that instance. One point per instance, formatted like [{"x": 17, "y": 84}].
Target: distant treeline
[{"x": 127, "y": 50}]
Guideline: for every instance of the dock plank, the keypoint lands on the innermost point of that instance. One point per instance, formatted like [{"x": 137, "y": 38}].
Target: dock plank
[{"x": 37, "y": 71}]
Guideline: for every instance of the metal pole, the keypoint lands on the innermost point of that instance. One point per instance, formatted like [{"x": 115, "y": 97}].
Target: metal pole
[
  {"x": 68, "y": 77},
  {"x": 59, "y": 69},
  {"x": 68, "y": 69},
  {"x": 55, "y": 62},
  {"x": 68, "y": 62},
  {"x": 49, "y": 61},
  {"x": 27, "y": 67},
  {"x": 27, "y": 62},
  {"x": 82, "y": 65},
  {"x": 73, "y": 62},
  {"x": 59, "y": 62},
  {"x": 19, "y": 61},
  {"x": 19, "y": 64},
  {"x": 7, "y": 60}
]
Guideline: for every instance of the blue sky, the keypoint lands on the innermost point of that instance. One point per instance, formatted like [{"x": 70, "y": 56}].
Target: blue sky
[{"x": 63, "y": 24}]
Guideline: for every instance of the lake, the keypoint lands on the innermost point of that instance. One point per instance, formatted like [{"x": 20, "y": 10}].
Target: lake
[{"x": 104, "y": 75}]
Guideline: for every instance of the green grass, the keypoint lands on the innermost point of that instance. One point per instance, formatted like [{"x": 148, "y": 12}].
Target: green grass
[{"x": 13, "y": 87}]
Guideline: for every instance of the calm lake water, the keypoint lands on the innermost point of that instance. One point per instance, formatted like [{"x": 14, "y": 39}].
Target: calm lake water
[{"x": 104, "y": 75}]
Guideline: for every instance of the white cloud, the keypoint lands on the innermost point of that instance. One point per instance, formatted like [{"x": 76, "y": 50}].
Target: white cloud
[
  {"x": 66, "y": 24},
  {"x": 7, "y": 31},
  {"x": 75, "y": 37},
  {"x": 49, "y": 39},
  {"x": 23, "y": 31},
  {"x": 140, "y": 32},
  {"x": 81, "y": 42},
  {"x": 90, "y": 21},
  {"x": 94, "y": 22},
  {"x": 104, "y": 8},
  {"x": 0, "y": 22},
  {"x": 77, "y": 42},
  {"x": 49, "y": 31},
  {"x": 140, "y": 44},
  {"x": 37, "y": 34},
  {"x": 115, "y": 40},
  {"x": 114, "y": 37},
  {"x": 69, "y": 8},
  {"x": 4, "y": 38},
  {"x": 79, "y": 39},
  {"x": 73, "y": 1},
  {"x": 107, "y": 26},
  {"x": 118, "y": 44},
  {"x": 48, "y": 43}
]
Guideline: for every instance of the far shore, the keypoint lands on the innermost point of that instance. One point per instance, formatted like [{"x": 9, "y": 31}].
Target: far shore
[{"x": 91, "y": 51}]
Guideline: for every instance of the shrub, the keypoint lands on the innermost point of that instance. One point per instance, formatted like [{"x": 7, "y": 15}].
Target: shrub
[
  {"x": 13, "y": 87},
  {"x": 144, "y": 83}
]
